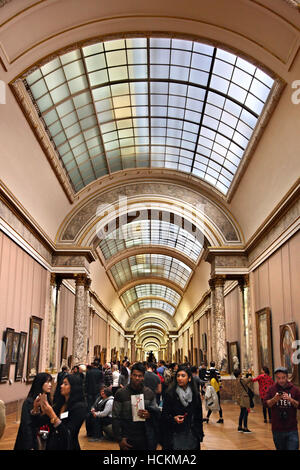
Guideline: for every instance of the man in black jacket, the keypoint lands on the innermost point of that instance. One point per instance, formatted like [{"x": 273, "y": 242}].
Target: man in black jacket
[
  {"x": 94, "y": 379},
  {"x": 134, "y": 430}
]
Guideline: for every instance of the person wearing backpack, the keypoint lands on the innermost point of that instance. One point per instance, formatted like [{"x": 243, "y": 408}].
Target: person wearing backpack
[
  {"x": 242, "y": 397},
  {"x": 214, "y": 382},
  {"x": 211, "y": 401}
]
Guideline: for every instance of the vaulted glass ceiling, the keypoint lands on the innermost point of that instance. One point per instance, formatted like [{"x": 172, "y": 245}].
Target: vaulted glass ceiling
[
  {"x": 149, "y": 290},
  {"x": 150, "y": 232},
  {"x": 151, "y": 103},
  {"x": 151, "y": 265},
  {"x": 151, "y": 304}
]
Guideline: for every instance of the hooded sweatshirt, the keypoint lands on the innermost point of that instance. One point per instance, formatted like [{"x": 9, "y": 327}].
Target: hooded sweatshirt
[{"x": 284, "y": 414}]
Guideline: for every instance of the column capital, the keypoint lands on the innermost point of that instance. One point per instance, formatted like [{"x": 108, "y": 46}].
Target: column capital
[
  {"x": 244, "y": 281},
  {"x": 217, "y": 281},
  {"x": 55, "y": 280},
  {"x": 80, "y": 279}
]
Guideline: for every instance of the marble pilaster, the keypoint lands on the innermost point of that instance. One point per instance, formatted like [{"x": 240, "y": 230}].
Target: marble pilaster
[
  {"x": 51, "y": 342},
  {"x": 80, "y": 321},
  {"x": 219, "y": 349}
]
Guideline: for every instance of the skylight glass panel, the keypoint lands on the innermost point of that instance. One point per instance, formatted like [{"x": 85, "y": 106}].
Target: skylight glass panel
[
  {"x": 139, "y": 87},
  {"x": 151, "y": 290},
  {"x": 154, "y": 265},
  {"x": 151, "y": 232}
]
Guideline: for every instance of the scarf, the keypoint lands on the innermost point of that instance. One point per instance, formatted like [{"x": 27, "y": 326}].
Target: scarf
[{"x": 185, "y": 396}]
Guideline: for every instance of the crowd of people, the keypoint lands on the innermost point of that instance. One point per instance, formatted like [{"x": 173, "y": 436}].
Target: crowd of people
[{"x": 143, "y": 405}]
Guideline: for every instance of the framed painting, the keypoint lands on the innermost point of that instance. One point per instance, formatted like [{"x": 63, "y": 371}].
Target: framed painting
[
  {"x": 204, "y": 342},
  {"x": 15, "y": 346},
  {"x": 288, "y": 334},
  {"x": 234, "y": 356},
  {"x": 8, "y": 337},
  {"x": 201, "y": 359},
  {"x": 64, "y": 348},
  {"x": 34, "y": 343},
  {"x": 264, "y": 339},
  {"x": 21, "y": 356}
]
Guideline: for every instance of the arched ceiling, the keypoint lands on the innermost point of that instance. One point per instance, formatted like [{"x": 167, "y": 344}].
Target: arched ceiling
[
  {"x": 184, "y": 105},
  {"x": 150, "y": 103}
]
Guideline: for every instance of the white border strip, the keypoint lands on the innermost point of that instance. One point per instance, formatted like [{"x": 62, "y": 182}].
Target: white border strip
[
  {"x": 283, "y": 238},
  {"x": 12, "y": 234}
]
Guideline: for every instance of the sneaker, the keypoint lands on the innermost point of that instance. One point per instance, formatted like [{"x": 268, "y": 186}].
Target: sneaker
[
  {"x": 246, "y": 430},
  {"x": 221, "y": 420},
  {"x": 240, "y": 429},
  {"x": 205, "y": 420},
  {"x": 265, "y": 421},
  {"x": 95, "y": 439}
]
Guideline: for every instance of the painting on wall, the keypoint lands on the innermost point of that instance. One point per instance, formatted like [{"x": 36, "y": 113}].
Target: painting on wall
[
  {"x": 8, "y": 336},
  {"x": 233, "y": 356},
  {"x": 21, "y": 356},
  {"x": 34, "y": 343},
  {"x": 264, "y": 339},
  {"x": 288, "y": 334},
  {"x": 15, "y": 346},
  {"x": 204, "y": 342}
]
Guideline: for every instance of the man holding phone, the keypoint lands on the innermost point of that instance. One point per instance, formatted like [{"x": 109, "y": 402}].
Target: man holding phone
[{"x": 284, "y": 400}]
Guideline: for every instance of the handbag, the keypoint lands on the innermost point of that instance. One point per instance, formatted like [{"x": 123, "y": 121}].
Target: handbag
[{"x": 250, "y": 394}]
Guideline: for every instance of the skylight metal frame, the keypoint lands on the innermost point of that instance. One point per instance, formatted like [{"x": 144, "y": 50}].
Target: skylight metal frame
[{"x": 208, "y": 160}]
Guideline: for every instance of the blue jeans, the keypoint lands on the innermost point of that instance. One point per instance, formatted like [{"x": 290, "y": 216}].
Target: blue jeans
[{"x": 286, "y": 440}]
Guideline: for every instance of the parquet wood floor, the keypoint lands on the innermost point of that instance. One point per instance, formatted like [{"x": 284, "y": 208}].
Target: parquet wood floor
[{"x": 217, "y": 436}]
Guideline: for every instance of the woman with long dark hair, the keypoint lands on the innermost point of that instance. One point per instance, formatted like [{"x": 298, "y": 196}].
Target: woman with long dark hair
[
  {"x": 32, "y": 429},
  {"x": 182, "y": 413},
  {"x": 67, "y": 415}
]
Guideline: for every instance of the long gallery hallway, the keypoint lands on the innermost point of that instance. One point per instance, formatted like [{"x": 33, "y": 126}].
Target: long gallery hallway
[{"x": 217, "y": 436}]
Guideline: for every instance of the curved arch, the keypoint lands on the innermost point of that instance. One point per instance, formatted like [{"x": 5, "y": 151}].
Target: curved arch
[
  {"x": 132, "y": 322},
  {"x": 143, "y": 328},
  {"x": 150, "y": 297},
  {"x": 151, "y": 280},
  {"x": 82, "y": 224},
  {"x": 153, "y": 249}
]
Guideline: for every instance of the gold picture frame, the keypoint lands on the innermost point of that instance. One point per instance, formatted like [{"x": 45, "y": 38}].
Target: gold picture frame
[{"x": 264, "y": 339}]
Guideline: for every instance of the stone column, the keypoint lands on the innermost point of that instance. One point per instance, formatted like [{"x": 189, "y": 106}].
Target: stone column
[
  {"x": 218, "y": 319},
  {"x": 247, "y": 333},
  {"x": 169, "y": 357},
  {"x": 87, "y": 317},
  {"x": 133, "y": 347},
  {"x": 80, "y": 321},
  {"x": 51, "y": 345}
]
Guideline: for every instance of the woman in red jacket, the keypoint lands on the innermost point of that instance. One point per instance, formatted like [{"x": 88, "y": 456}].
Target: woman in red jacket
[{"x": 264, "y": 381}]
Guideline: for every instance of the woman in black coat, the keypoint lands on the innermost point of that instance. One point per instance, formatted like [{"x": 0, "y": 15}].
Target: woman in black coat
[
  {"x": 32, "y": 420},
  {"x": 182, "y": 413},
  {"x": 67, "y": 415}
]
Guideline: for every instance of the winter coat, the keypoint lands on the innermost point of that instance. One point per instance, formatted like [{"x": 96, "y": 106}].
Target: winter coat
[
  {"x": 29, "y": 426},
  {"x": 264, "y": 382},
  {"x": 172, "y": 406},
  {"x": 211, "y": 399},
  {"x": 241, "y": 395}
]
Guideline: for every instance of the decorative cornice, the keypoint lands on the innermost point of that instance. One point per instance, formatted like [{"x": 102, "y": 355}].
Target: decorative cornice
[
  {"x": 106, "y": 310},
  {"x": 265, "y": 116},
  {"x": 32, "y": 116},
  {"x": 281, "y": 208}
]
